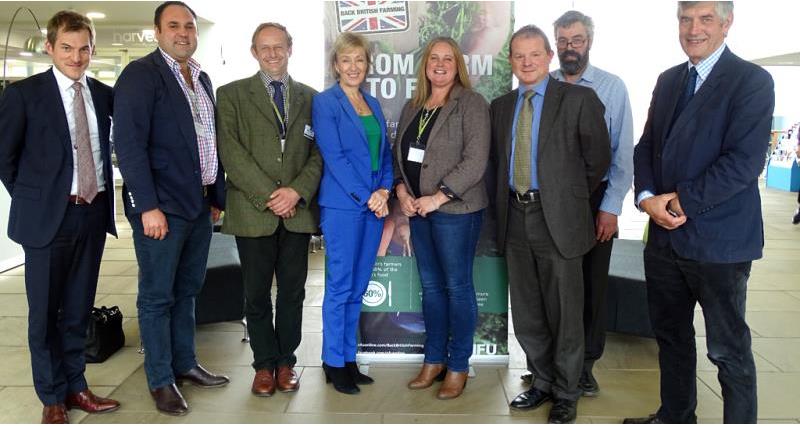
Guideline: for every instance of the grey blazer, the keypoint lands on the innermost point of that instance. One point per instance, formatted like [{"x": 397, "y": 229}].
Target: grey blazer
[
  {"x": 457, "y": 151},
  {"x": 574, "y": 154}
]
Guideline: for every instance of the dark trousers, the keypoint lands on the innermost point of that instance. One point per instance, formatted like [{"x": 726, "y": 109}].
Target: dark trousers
[
  {"x": 546, "y": 293},
  {"x": 171, "y": 274},
  {"x": 595, "y": 289},
  {"x": 445, "y": 251},
  {"x": 674, "y": 287},
  {"x": 284, "y": 255},
  {"x": 60, "y": 281}
]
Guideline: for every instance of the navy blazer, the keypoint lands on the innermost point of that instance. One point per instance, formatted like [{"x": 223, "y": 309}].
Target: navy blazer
[
  {"x": 156, "y": 143},
  {"x": 712, "y": 157},
  {"x": 36, "y": 156},
  {"x": 347, "y": 180}
]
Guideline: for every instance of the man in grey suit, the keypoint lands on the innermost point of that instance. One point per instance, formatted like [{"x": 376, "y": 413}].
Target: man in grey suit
[{"x": 550, "y": 150}]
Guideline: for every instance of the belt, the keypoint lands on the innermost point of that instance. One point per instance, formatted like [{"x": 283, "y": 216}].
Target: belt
[
  {"x": 528, "y": 197},
  {"x": 78, "y": 200}
]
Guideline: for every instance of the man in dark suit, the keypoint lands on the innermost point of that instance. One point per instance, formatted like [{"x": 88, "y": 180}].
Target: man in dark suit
[
  {"x": 696, "y": 171},
  {"x": 267, "y": 146},
  {"x": 55, "y": 162},
  {"x": 165, "y": 139},
  {"x": 550, "y": 151}
]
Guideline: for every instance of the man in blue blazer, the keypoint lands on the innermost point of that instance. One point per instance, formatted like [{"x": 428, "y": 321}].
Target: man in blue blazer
[
  {"x": 55, "y": 162},
  {"x": 696, "y": 172},
  {"x": 165, "y": 140}
]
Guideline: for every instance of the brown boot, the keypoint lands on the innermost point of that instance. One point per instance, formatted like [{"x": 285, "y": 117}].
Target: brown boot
[
  {"x": 427, "y": 375},
  {"x": 454, "y": 384}
]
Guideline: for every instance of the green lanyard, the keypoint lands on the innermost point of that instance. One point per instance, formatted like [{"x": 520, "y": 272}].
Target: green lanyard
[{"x": 424, "y": 120}]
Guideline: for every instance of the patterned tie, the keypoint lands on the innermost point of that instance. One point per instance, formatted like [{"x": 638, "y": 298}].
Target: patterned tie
[
  {"x": 522, "y": 146},
  {"x": 87, "y": 176}
]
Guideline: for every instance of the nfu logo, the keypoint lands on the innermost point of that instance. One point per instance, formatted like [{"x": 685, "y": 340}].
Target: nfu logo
[{"x": 375, "y": 294}]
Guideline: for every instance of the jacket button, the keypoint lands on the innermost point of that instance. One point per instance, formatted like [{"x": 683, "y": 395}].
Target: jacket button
[
  {"x": 278, "y": 183},
  {"x": 279, "y": 159}
]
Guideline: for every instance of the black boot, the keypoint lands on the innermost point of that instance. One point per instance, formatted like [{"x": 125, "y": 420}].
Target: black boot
[
  {"x": 341, "y": 379},
  {"x": 358, "y": 377}
]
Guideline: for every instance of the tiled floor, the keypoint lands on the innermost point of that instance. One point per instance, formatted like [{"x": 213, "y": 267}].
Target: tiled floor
[{"x": 628, "y": 372}]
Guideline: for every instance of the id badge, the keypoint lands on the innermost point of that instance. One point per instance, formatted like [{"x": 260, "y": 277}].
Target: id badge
[{"x": 415, "y": 155}]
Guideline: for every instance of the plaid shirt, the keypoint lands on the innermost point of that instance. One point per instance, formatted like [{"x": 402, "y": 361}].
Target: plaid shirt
[{"x": 202, "y": 108}]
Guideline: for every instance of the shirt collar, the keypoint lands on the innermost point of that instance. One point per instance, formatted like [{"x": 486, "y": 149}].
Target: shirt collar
[
  {"x": 194, "y": 66},
  {"x": 705, "y": 66},
  {"x": 589, "y": 75},
  {"x": 65, "y": 83},
  {"x": 538, "y": 89},
  {"x": 267, "y": 79}
]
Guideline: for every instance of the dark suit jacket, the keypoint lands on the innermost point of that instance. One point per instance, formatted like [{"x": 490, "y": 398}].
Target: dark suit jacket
[
  {"x": 156, "y": 143},
  {"x": 347, "y": 181},
  {"x": 712, "y": 158},
  {"x": 36, "y": 156},
  {"x": 457, "y": 150},
  {"x": 250, "y": 148},
  {"x": 573, "y": 155}
]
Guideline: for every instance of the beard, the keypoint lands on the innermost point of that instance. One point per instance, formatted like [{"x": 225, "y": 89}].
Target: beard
[{"x": 572, "y": 62}]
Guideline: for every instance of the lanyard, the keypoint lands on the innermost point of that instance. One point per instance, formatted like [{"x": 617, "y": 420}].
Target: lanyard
[
  {"x": 282, "y": 121},
  {"x": 424, "y": 120}
]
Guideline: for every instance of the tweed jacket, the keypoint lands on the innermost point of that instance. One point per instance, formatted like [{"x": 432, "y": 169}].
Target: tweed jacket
[
  {"x": 457, "y": 151},
  {"x": 250, "y": 149}
]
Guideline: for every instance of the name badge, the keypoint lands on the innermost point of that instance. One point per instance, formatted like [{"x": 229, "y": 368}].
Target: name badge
[
  {"x": 415, "y": 155},
  {"x": 308, "y": 132}
]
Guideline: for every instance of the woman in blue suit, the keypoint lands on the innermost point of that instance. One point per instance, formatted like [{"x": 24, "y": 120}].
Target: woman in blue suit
[{"x": 351, "y": 134}]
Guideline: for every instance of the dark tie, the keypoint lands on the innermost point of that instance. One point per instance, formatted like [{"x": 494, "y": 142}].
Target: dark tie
[
  {"x": 522, "y": 145},
  {"x": 686, "y": 96},
  {"x": 277, "y": 97},
  {"x": 87, "y": 176}
]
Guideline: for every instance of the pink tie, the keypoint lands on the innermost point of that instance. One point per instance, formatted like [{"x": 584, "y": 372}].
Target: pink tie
[{"x": 87, "y": 175}]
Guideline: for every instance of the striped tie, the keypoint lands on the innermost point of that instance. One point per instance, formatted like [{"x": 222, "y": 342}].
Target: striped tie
[{"x": 522, "y": 146}]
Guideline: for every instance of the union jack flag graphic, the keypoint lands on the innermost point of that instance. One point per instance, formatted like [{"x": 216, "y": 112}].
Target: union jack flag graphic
[{"x": 372, "y": 16}]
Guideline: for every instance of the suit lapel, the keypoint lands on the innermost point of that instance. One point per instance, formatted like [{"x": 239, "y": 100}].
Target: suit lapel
[
  {"x": 179, "y": 104},
  {"x": 703, "y": 94},
  {"x": 350, "y": 112},
  {"x": 296, "y": 101},
  {"x": 56, "y": 109},
  {"x": 552, "y": 99},
  {"x": 260, "y": 99},
  {"x": 102, "y": 114},
  {"x": 508, "y": 115},
  {"x": 445, "y": 112}
]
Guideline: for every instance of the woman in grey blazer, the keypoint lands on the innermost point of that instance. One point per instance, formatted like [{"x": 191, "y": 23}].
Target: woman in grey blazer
[{"x": 441, "y": 152}]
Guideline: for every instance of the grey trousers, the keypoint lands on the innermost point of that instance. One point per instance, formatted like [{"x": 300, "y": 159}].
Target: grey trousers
[{"x": 546, "y": 302}]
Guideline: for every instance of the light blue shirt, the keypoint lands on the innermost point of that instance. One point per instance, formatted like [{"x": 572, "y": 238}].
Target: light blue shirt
[
  {"x": 538, "y": 103},
  {"x": 619, "y": 119},
  {"x": 704, "y": 68}
]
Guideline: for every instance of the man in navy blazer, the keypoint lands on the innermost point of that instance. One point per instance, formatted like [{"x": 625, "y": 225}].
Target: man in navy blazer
[
  {"x": 55, "y": 162},
  {"x": 696, "y": 172},
  {"x": 165, "y": 140}
]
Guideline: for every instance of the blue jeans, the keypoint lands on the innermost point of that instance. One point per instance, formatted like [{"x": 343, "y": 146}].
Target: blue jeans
[
  {"x": 171, "y": 274},
  {"x": 674, "y": 286},
  {"x": 444, "y": 245}
]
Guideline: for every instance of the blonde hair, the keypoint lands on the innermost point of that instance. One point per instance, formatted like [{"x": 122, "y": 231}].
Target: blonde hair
[
  {"x": 348, "y": 41},
  {"x": 424, "y": 85}
]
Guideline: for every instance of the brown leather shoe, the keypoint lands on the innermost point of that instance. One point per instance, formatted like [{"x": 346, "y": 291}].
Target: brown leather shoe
[
  {"x": 288, "y": 381},
  {"x": 427, "y": 375},
  {"x": 54, "y": 414},
  {"x": 263, "y": 383},
  {"x": 201, "y": 377},
  {"x": 169, "y": 400},
  {"x": 91, "y": 403},
  {"x": 454, "y": 384}
]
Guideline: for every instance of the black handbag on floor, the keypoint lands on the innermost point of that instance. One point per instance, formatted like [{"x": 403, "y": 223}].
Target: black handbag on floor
[{"x": 104, "y": 335}]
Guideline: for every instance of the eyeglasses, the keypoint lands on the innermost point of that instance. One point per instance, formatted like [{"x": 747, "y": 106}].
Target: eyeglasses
[{"x": 576, "y": 42}]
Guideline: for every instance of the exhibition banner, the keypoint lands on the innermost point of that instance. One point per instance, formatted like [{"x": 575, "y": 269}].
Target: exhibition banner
[{"x": 391, "y": 319}]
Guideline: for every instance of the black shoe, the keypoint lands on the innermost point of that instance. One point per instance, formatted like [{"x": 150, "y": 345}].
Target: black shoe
[
  {"x": 527, "y": 378},
  {"x": 796, "y": 217},
  {"x": 563, "y": 411},
  {"x": 342, "y": 381},
  {"x": 530, "y": 399},
  {"x": 201, "y": 377},
  {"x": 358, "y": 377},
  {"x": 588, "y": 384},
  {"x": 651, "y": 419}
]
